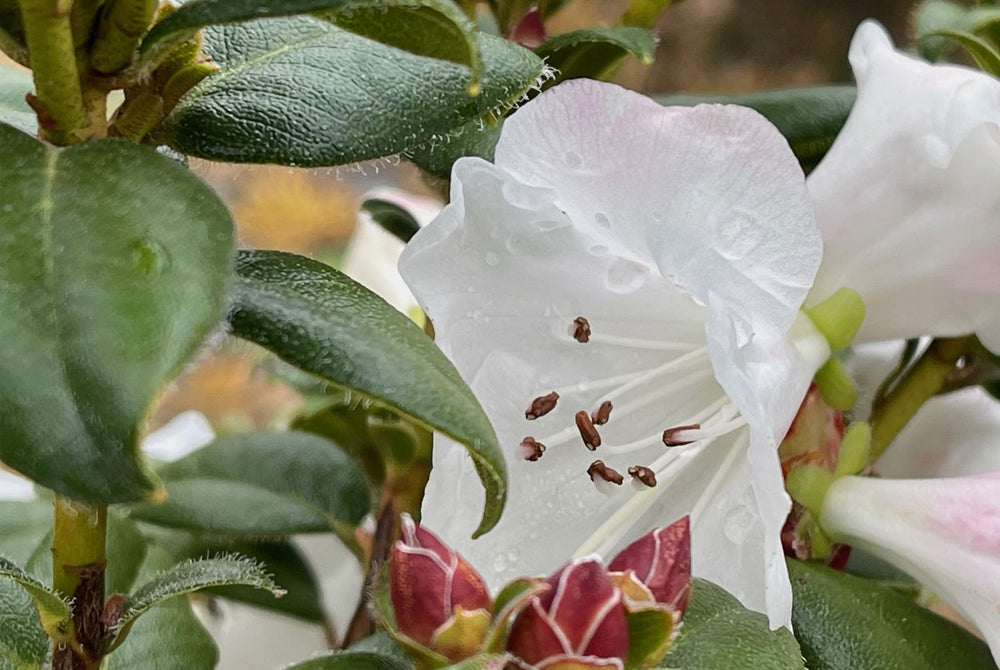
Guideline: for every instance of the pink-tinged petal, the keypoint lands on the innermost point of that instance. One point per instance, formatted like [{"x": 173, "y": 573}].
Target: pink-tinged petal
[
  {"x": 588, "y": 610},
  {"x": 922, "y": 247},
  {"x": 662, "y": 561},
  {"x": 580, "y": 663},
  {"x": 944, "y": 532}
]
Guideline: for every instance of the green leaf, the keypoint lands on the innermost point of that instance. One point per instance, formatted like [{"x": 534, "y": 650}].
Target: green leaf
[
  {"x": 984, "y": 53},
  {"x": 300, "y": 91},
  {"x": 649, "y": 632},
  {"x": 261, "y": 484},
  {"x": 844, "y": 622},
  {"x": 718, "y": 633},
  {"x": 14, "y": 111},
  {"x": 475, "y": 138},
  {"x": 809, "y": 118},
  {"x": 116, "y": 265},
  {"x": 23, "y": 642},
  {"x": 167, "y": 637},
  {"x": 353, "y": 660},
  {"x": 435, "y": 28},
  {"x": 192, "y": 576},
  {"x": 52, "y": 610},
  {"x": 392, "y": 217},
  {"x": 126, "y": 550},
  {"x": 941, "y": 15},
  {"x": 596, "y": 52},
  {"x": 23, "y": 527},
  {"x": 325, "y": 323}
]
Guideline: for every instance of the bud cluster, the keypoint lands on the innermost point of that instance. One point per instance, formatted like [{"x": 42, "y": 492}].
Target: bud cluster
[{"x": 577, "y": 618}]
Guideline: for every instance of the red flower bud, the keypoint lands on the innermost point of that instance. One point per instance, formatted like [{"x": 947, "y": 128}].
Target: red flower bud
[
  {"x": 661, "y": 560},
  {"x": 428, "y": 582},
  {"x": 579, "y": 622},
  {"x": 529, "y": 31}
]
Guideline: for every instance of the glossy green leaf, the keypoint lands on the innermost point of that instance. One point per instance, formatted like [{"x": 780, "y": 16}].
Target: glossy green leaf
[
  {"x": 353, "y": 660},
  {"x": 299, "y": 91},
  {"x": 191, "y": 576},
  {"x": 596, "y": 52},
  {"x": 985, "y": 54},
  {"x": 435, "y": 28},
  {"x": 475, "y": 138},
  {"x": 116, "y": 265},
  {"x": 52, "y": 610},
  {"x": 322, "y": 321},
  {"x": 167, "y": 637},
  {"x": 126, "y": 550},
  {"x": 23, "y": 642},
  {"x": 718, "y": 633},
  {"x": 262, "y": 484},
  {"x": 392, "y": 217},
  {"x": 14, "y": 111},
  {"x": 809, "y": 118},
  {"x": 844, "y": 622}
]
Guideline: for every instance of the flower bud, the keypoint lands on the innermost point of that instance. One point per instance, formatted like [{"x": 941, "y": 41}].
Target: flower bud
[
  {"x": 436, "y": 593},
  {"x": 579, "y": 622},
  {"x": 661, "y": 560}
]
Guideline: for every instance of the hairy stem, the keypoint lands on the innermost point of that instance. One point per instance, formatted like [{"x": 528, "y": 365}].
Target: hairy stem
[
  {"x": 58, "y": 98},
  {"x": 925, "y": 379},
  {"x": 78, "y": 566}
]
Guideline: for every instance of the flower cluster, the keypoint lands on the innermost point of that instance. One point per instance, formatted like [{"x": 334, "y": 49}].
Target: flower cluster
[{"x": 579, "y": 617}]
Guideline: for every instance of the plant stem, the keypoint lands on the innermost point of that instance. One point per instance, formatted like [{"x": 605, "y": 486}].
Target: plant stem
[
  {"x": 78, "y": 565},
  {"x": 925, "y": 379},
  {"x": 58, "y": 96}
]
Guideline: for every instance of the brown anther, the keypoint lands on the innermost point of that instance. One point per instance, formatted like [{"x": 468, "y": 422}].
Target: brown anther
[
  {"x": 670, "y": 439},
  {"x": 541, "y": 406},
  {"x": 581, "y": 329},
  {"x": 532, "y": 449},
  {"x": 643, "y": 474},
  {"x": 601, "y": 415},
  {"x": 598, "y": 470},
  {"x": 591, "y": 438}
]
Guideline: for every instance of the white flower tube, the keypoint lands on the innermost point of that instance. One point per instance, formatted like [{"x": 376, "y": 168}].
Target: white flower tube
[
  {"x": 944, "y": 532},
  {"x": 619, "y": 285},
  {"x": 907, "y": 198}
]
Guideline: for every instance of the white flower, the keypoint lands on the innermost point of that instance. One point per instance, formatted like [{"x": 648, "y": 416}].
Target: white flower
[
  {"x": 907, "y": 197},
  {"x": 944, "y": 532},
  {"x": 686, "y": 239},
  {"x": 372, "y": 253}
]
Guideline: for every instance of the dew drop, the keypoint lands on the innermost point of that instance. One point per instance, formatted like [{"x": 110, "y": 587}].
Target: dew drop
[
  {"x": 573, "y": 159},
  {"x": 492, "y": 259},
  {"x": 597, "y": 250},
  {"x": 625, "y": 276},
  {"x": 602, "y": 221},
  {"x": 499, "y": 563},
  {"x": 738, "y": 523}
]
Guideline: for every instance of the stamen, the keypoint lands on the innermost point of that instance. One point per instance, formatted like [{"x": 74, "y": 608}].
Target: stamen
[
  {"x": 688, "y": 434},
  {"x": 541, "y": 406},
  {"x": 581, "y": 330},
  {"x": 678, "y": 362},
  {"x": 532, "y": 449},
  {"x": 670, "y": 438},
  {"x": 707, "y": 414},
  {"x": 599, "y": 471},
  {"x": 636, "y": 343},
  {"x": 708, "y": 493},
  {"x": 643, "y": 474},
  {"x": 591, "y": 438},
  {"x": 601, "y": 415}
]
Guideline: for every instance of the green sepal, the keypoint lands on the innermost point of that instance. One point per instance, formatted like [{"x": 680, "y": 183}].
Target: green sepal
[{"x": 835, "y": 385}]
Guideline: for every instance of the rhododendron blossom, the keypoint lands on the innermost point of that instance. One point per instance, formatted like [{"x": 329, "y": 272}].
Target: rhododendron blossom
[{"x": 618, "y": 289}]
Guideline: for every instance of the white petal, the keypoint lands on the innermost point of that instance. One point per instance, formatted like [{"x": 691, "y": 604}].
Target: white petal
[
  {"x": 186, "y": 432},
  {"x": 372, "y": 253},
  {"x": 952, "y": 435},
  {"x": 906, "y": 197},
  {"x": 944, "y": 532},
  {"x": 711, "y": 194}
]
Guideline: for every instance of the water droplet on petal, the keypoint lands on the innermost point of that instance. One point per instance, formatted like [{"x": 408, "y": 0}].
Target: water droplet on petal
[
  {"x": 738, "y": 523},
  {"x": 573, "y": 159},
  {"x": 602, "y": 221},
  {"x": 492, "y": 259},
  {"x": 625, "y": 276},
  {"x": 597, "y": 250}
]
